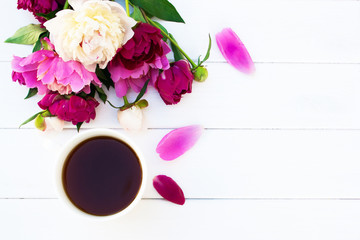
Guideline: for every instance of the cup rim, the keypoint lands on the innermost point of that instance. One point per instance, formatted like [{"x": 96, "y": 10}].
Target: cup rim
[{"x": 71, "y": 144}]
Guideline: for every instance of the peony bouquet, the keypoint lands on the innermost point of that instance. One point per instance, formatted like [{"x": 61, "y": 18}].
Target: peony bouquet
[{"x": 81, "y": 47}]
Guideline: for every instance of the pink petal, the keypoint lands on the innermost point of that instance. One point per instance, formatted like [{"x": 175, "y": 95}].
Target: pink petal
[
  {"x": 234, "y": 51},
  {"x": 178, "y": 141},
  {"x": 169, "y": 189},
  {"x": 121, "y": 88}
]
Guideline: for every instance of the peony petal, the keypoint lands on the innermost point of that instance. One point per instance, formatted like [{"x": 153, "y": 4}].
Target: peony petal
[
  {"x": 234, "y": 51},
  {"x": 178, "y": 141},
  {"x": 76, "y": 4},
  {"x": 121, "y": 88},
  {"x": 169, "y": 189}
]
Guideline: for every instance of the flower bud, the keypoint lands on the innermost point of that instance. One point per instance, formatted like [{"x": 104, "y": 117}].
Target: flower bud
[
  {"x": 40, "y": 123},
  {"x": 200, "y": 74},
  {"x": 55, "y": 123},
  {"x": 142, "y": 103},
  {"x": 131, "y": 118}
]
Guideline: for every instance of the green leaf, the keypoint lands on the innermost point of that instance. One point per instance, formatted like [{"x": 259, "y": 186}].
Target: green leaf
[
  {"x": 84, "y": 95},
  {"x": 162, "y": 9},
  {"x": 137, "y": 15},
  {"x": 102, "y": 94},
  {"x": 91, "y": 94},
  {"x": 142, "y": 92},
  {"x": 26, "y": 35},
  {"x": 78, "y": 126},
  {"x": 32, "y": 92},
  {"x": 158, "y": 25},
  {"x": 31, "y": 118},
  {"x": 49, "y": 15},
  {"x": 38, "y": 44},
  {"x": 104, "y": 77},
  {"x": 177, "y": 54},
  {"x": 207, "y": 53}
]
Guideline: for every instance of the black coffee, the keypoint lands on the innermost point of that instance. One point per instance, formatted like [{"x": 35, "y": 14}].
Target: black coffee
[{"x": 102, "y": 176}]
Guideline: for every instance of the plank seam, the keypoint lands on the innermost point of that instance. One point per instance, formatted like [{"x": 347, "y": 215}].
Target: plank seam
[
  {"x": 221, "y": 199},
  {"x": 213, "y": 129}
]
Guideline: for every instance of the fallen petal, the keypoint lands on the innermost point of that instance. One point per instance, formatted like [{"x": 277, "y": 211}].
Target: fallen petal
[
  {"x": 178, "y": 141},
  {"x": 234, "y": 51},
  {"x": 169, "y": 189}
]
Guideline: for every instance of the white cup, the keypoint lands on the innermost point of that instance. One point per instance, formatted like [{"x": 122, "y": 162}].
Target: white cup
[{"x": 71, "y": 144}]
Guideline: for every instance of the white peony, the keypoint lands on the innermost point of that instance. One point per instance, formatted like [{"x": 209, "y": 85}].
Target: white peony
[
  {"x": 131, "y": 118},
  {"x": 91, "y": 33}
]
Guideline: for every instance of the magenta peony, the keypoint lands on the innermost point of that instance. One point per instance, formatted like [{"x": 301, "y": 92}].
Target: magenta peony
[
  {"x": 139, "y": 59},
  {"x": 174, "y": 82},
  {"x": 45, "y": 70},
  {"x": 75, "y": 109},
  {"x": 40, "y": 6}
]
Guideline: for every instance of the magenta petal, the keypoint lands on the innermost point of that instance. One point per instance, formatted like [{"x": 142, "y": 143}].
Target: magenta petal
[
  {"x": 234, "y": 51},
  {"x": 178, "y": 141},
  {"x": 169, "y": 189}
]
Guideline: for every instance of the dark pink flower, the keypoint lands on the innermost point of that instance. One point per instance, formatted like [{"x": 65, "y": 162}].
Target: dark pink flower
[
  {"x": 169, "y": 189},
  {"x": 139, "y": 59},
  {"x": 45, "y": 70},
  {"x": 174, "y": 82},
  {"x": 40, "y": 6},
  {"x": 178, "y": 141},
  {"x": 74, "y": 109},
  {"x": 234, "y": 51}
]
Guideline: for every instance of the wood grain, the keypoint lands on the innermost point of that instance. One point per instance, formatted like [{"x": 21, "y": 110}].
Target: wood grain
[
  {"x": 212, "y": 219},
  {"x": 223, "y": 164},
  {"x": 279, "y": 158}
]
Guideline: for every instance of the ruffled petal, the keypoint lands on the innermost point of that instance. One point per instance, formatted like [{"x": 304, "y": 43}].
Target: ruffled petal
[
  {"x": 177, "y": 142},
  {"x": 121, "y": 88},
  {"x": 234, "y": 51},
  {"x": 169, "y": 189}
]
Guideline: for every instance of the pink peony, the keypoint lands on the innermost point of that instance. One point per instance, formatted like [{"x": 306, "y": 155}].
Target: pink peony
[
  {"x": 139, "y": 59},
  {"x": 75, "y": 109},
  {"x": 40, "y": 6},
  {"x": 174, "y": 82},
  {"x": 45, "y": 70}
]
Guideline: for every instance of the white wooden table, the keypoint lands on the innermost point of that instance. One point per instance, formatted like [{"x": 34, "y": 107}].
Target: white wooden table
[{"x": 280, "y": 157}]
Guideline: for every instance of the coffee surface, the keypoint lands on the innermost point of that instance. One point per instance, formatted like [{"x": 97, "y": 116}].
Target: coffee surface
[{"x": 102, "y": 176}]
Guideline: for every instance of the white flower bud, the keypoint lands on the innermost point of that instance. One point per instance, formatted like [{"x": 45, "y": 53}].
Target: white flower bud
[
  {"x": 55, "y": 123},
  {"x": 131, "y": 118}
]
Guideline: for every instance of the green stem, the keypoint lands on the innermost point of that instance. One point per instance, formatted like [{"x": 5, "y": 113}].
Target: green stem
[
  {"x": 172, "y": 41},
  {"x": 66, "y": 5},
  {"x": 126, "y": 102},
  {"x": 112, "y": 105},
  {"x": 127, "y": 7}
]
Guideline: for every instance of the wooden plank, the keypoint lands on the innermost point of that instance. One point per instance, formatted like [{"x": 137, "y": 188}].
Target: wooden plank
[
  {"x": 273, "y": 31},
  {"x": 276, "y": 96},
  {"x": 223, "y": 164},
  {"x": 197, "y": 219}
]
